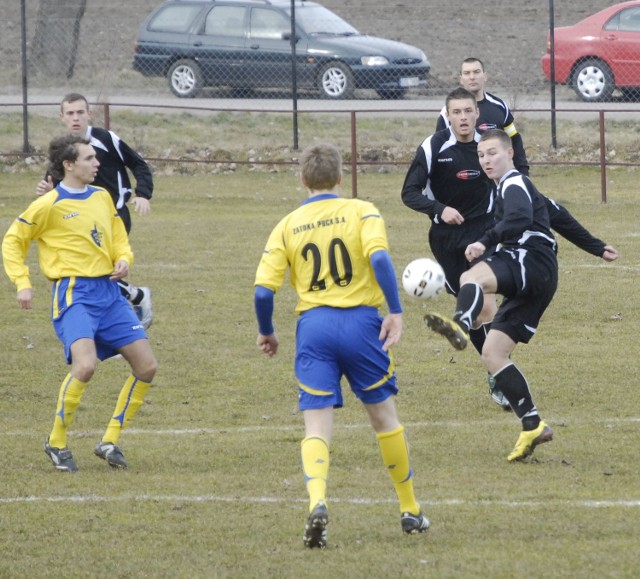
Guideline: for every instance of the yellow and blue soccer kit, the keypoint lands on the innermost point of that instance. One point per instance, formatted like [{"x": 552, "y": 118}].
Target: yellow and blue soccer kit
[
  {"x": 80, "y": 237},
  {"x": 327, "y": 244}
]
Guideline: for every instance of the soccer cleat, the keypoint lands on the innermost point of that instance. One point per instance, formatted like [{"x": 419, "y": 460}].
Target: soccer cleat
[
  {"x": 61, "y": 458},
  {"x": 143, "y": 309},
  {"x": 315, "y": 529},
  {"x": 412, "y": 524},
  {"x": 111, "y": 453},
  {"x": 451, "y": 330},
  {"x": 529, "y": 439},
  {"x": 497, "y": 396}
]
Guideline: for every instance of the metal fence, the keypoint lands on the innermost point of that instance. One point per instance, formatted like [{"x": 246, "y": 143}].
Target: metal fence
[
  {"x": 51, "y": 48},
  {"x": 239, "y": 48}
]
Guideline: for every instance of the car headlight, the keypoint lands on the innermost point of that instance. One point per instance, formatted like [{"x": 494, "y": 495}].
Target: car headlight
[{"x": 374, "y": 60}]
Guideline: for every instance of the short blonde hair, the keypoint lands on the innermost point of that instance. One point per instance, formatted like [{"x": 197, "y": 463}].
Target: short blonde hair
[{"x": 321, "y": 166}]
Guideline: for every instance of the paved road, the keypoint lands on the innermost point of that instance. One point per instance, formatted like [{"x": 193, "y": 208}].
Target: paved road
[{"x": 536, "y": 106}]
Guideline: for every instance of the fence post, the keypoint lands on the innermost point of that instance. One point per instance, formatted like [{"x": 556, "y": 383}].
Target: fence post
[
  {"x": 107, "y": 116},
  {"x": 354, "y": 158},
  {"x": 603, "y": 159}
]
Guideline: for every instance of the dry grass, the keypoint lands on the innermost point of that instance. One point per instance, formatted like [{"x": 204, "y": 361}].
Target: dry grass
[{"x": 215, "y": 487}]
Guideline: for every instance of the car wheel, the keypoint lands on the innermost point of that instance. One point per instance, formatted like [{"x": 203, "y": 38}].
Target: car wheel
[
  {"x": 336, "y": 81},
  {"x": 392, "y": 94},
  {"x": 593, "y": 81},
  {"x": 185, "y": 78}
]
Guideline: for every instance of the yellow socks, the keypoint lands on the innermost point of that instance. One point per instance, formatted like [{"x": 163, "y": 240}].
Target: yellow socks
[
  {"x": 71, "y": 391},
  {"x": 395, "y": 454},
  {"x": 315, "y": 464},
  {"x": 129, "y": 401}
]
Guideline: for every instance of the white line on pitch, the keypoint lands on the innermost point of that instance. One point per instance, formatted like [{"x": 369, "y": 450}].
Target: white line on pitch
[
  {"x": 300, "y": 427},
  {"x": 358, "y": 501}
]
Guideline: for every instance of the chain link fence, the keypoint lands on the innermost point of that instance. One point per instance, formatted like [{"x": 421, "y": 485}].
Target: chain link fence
[
  {"x": 94, "y": 48},
  {"x": 241, "y": 49}
]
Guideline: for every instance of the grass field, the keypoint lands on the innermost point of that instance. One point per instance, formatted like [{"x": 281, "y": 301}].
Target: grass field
[{"x": 215, "y": 488}]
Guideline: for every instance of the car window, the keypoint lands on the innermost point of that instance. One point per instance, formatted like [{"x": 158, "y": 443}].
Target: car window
[
  {"x": 320, "y": 20},
  {"x": 225, "y": 21},
  {"x": 630, "y": 20},
  {"x": 174, "y": 18},
  {"x": 268, "y": 24}
]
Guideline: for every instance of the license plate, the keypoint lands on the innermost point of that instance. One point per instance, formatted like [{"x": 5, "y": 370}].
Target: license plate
[{"x": 409, "y": 81}]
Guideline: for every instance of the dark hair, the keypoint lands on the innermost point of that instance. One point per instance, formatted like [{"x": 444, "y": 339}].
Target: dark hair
[
  {"x": 321, "y": 166},
  {"x": 460, "y": 93},
  {"x": 473, "y": 59},
  {"x": 63, "y": 149},
  {"x": 498, "y": 134},
  {"x": 72, "y": 97}
]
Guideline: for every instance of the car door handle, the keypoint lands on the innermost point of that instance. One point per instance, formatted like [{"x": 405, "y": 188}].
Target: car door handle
[
  {"x": 255, "y": 46},
  {"x": 611, "y": 37}
]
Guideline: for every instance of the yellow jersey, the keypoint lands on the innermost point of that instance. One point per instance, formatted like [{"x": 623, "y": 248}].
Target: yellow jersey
[
  {"x": 326, "y": 243},
  {"x": 78, "y": 234}
]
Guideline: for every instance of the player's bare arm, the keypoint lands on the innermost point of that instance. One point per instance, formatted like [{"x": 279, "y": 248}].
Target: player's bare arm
[
  {"x": 25, "y": 298},
  {"x": 120, "y": 270},
  {"x": 391, "y": 330},
  {"x": 141, "y": 205},
  {"x": 268, "y": 344},
  {"x": 452, "y": 216},
  {"x": 44, "y": 186},
  {"x": 610, "y": 253},
  {"x": 474, "y": 250}
]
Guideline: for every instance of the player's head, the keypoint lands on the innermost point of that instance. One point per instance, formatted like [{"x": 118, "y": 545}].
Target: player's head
[
  {"x": 462, "y": 112},
  {"x": 321, "y": 167},
  {"x": 75, "y": 114},
  {"x": 473, "y": 76},
  {"x": 495, "y": 153},
  {"x": 72, "y": 154}
]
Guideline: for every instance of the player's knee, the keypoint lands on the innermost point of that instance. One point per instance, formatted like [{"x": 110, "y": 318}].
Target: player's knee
[
  {"x": 146, "y": 368},
  {"x": 84, "y": 369}
]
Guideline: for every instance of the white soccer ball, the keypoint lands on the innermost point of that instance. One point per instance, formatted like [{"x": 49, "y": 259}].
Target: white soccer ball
[{"x": 423, "y": 278}]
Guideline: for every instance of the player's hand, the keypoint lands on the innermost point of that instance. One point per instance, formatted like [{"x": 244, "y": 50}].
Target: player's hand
[
  {"x": 391, "y": 330},
  {"x": 474, "y": 250},
  {"x": 452, "y": 216},
  {"x": 141, "y": 205},
  {"x": 120, "y": 270},
  {"x": 610, "y": 253},
  {"x": 268, "y": 344},
  {"x": 25, "y": 298},
  {"x": 44, "y": 186}
]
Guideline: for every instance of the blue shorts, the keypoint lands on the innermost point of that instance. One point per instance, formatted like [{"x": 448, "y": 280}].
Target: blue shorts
[
  {"x": 336, "y": 342},
  {"x": 94, "y": 308}
]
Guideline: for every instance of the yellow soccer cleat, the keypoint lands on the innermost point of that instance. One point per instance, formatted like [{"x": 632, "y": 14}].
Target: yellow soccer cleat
[
  {"x": 529, "y": 439},
  {"x": 451, "y": 330}
]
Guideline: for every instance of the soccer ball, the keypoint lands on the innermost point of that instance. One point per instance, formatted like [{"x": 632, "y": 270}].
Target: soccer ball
[{"x": 423, "y": 278}]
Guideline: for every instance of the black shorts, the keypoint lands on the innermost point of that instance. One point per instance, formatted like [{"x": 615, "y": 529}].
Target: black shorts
[
  {"x": 528, "y": 279},
  {"x": 448, "y": 244}
]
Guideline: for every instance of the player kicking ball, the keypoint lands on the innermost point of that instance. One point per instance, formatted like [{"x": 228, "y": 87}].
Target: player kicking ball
[{"x": 523, "y": 269}]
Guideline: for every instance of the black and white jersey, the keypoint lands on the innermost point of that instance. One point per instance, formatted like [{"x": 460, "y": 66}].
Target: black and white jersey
[
  {"x": 115, "y": 157},
  {"x": 447, "y": 173},
  {"x": 521, "y": 216},
  {"x": 494, "y": 113}
]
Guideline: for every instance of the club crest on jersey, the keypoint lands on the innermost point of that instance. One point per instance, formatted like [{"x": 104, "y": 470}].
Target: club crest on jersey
[
  {"x": 96, "y": 236},
  {"x": 468, "y": 174}
]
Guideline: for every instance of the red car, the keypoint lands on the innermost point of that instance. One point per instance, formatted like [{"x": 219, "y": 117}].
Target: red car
[{"x": 599, "y": 54}]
